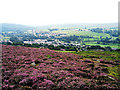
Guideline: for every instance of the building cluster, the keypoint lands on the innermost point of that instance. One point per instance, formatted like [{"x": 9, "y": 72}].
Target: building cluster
[{"x": 54, "y": 42}]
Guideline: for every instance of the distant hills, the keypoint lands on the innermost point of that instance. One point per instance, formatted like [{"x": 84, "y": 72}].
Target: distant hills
[{"x": 7, "y": 27}]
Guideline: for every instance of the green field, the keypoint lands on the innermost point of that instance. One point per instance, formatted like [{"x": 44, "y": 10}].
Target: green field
[
  {"x": 82, "y": 33},
  {"x": 109, "y": 45}
]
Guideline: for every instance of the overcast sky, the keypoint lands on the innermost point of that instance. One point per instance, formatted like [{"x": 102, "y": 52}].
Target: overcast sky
[{"x": 44, "y": 12}]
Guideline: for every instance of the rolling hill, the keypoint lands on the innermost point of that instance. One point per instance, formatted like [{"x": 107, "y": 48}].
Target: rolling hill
[{"x": 8, "y": 27}]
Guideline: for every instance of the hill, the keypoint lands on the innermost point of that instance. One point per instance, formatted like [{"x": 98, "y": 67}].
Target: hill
[
  {"x": 8, "y": 27},
  {"x": 35, "y": 68}
]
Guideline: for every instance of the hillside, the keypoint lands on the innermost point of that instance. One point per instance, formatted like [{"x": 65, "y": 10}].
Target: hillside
[
  {"x": 33, "y": 68},
  {"x": 8, "y": 27}
]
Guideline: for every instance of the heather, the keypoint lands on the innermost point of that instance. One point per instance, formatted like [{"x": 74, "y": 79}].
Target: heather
[{"x": 27, "y": 68}]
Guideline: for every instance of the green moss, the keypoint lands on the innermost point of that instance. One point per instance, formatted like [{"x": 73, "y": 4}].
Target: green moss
[
  {"x": 49, "y": 56},
  {"x": 114, "y": 71}
]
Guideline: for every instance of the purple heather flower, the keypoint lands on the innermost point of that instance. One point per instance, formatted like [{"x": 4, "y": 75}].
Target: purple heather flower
[{"x": 23, "y": 81}]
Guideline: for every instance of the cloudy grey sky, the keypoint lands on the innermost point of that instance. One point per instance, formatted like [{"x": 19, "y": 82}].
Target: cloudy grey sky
[{"x": 44, "y": 12}]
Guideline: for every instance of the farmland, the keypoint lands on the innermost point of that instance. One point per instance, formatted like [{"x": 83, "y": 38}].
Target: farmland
[
  {"x": 61, "y": 35},
  {"x": 90, "y": 41},
  {"x": 35, "y": 68},
  {"x": 82, "y": 33}
]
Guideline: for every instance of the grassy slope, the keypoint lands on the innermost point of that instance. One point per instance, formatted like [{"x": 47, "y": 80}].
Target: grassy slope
[{"x": 105, "y": 55}]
